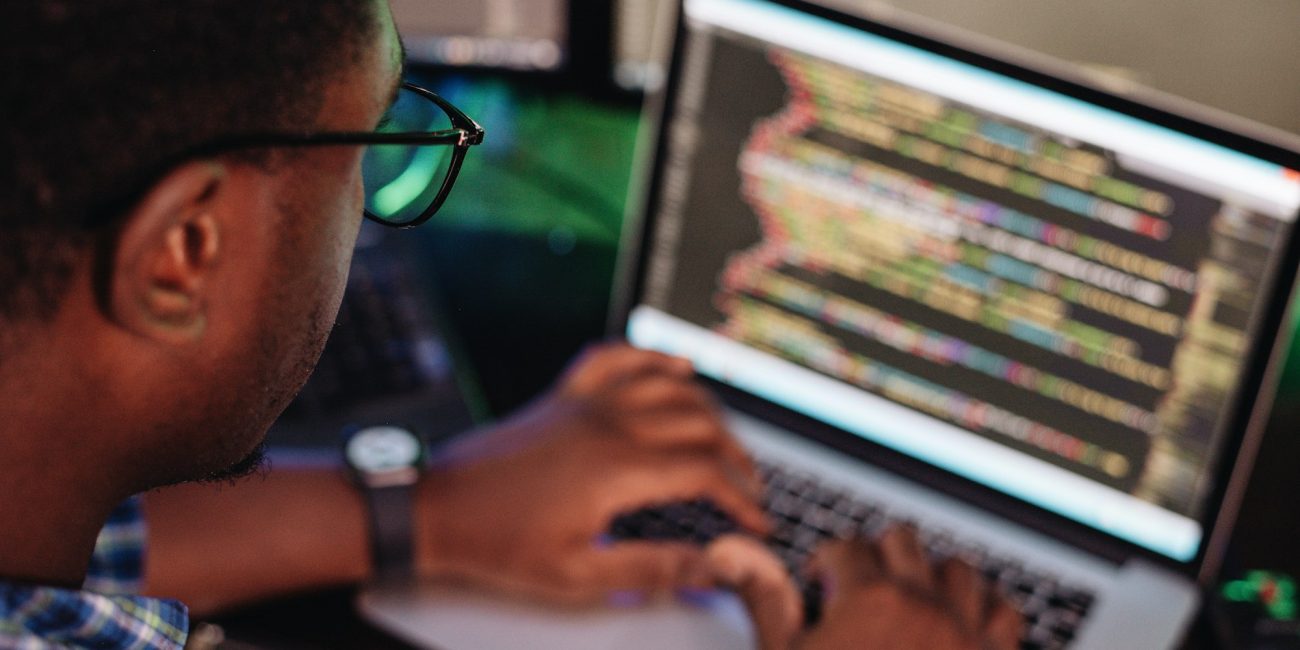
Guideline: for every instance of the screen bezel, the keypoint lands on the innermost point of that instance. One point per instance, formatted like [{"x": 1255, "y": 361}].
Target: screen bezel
[{"x": 1248, "y": 406}]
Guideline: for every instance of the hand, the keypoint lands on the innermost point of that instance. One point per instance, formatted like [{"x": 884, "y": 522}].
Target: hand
[
  {"x": 886, "y": 595},
  {"x": 523, "y": 506},
  {"x": 889, "y": 595},
  {"x": 746, "y": 566}
]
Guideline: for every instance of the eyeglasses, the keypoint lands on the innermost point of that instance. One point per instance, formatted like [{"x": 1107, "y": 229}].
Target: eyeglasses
[
  {"x": 410, "y": 162},
  {"x": 407, "y": 178}
]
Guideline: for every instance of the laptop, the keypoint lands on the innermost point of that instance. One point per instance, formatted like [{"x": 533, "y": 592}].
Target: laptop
[{"x": 1035, "y": 320}]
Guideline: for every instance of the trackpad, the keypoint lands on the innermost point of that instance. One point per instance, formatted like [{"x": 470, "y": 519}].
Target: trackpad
[{"x": 454, "y": 619}]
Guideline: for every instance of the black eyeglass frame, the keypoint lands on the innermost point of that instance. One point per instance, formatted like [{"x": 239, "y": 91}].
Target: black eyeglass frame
[{"x": 465, "y": 133}]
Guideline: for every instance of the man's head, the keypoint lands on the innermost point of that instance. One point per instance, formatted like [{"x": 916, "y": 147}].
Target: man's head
[{"x": 180, "y": 300}]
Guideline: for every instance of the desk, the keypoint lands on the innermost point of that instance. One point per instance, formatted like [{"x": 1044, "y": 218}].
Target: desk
[{"x": 317, "y": 621}]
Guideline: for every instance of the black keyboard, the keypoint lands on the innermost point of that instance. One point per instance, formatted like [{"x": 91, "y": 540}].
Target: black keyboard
[
  {"x": 806, "y": 513},
  {"x": 380, "y": 345},
  {"x": 386, "y": 360}
]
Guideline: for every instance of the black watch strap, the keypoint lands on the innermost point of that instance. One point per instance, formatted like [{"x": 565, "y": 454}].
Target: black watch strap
[
  {"x": 391, "y": 545},
  {"x": 386, "y": 462}
]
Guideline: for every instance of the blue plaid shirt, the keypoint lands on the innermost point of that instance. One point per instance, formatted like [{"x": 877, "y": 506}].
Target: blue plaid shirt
[{"x": 104, "y": 614}]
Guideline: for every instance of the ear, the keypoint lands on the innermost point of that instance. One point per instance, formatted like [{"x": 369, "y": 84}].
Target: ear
[{"x": 166, "y": 254}]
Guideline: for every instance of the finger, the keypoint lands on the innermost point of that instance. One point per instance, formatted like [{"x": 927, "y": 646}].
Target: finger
[
  {"x": 671, "y": 411},
  {"x": 843, "y": 565},
  {"x": 732, "y": 491},
  {"x": 738, "y": 456},
  {"x": 1005, "y": 626},
  {"x": 853, "y": 560},
  {"x": 758, "y": 577},
  {"x": 660, "y": 391},
  {"x": 644, "y": 567},
  {"x": 963, "y": 589},
  {"x": 904, "y": 558},
  {"x": 701, "y": 433},
  {"x": 668, "y": 478},
  {"x": 610, "y": 363},
  {"x": 651, "y": 400}
]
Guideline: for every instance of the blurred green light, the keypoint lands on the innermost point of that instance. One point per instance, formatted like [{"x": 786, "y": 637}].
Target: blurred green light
[
  {"x": 1283, "y": 605},
  {"x": 1239, "y": 591},
  {"x": 402, "y": 191},
  {"x": 1290, "y": 382},
  {"x": 1275, "y": 592},
  {"x": 1283, "y": 611}
]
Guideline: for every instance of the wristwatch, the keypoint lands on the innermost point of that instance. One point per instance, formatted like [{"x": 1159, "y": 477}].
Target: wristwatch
[{"x": 386, "y": 462}]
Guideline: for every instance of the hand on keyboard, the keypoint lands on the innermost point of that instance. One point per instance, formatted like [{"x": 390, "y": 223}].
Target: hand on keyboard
[
  {"x": 524, "y": 506},
  {"x": 807, "y": 513},
  {"x": 744, "y": 565},
  {"x": 882, "y": 595}
]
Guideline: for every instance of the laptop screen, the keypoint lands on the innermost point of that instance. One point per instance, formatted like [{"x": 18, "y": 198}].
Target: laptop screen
[{"x": 1039, "y": 294}]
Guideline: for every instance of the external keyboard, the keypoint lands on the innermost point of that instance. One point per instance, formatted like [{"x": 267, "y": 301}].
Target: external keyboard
[
  {"x": 806, "y": 513},
  {"x": 386, "y": 361},
  {"x": 380, "y": 345}
]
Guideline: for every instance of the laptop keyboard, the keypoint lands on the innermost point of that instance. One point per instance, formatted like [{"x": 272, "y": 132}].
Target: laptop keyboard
[{"x": 806, "y": 513}]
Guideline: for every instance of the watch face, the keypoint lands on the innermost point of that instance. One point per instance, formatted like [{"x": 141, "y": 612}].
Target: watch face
[{"x": 376, "y": 449}]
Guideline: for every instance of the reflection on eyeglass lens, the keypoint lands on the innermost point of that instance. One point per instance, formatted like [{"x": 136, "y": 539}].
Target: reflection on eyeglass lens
[{"x": 403, "y": 181}]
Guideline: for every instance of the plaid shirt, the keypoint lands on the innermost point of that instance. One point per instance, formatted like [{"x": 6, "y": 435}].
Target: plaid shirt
[{"x": 104, "y": 614}]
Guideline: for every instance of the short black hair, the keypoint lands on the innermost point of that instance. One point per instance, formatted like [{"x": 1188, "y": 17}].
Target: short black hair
[{"x": 96, "y": 95}]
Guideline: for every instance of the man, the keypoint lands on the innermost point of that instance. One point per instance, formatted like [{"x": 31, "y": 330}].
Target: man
[{"x": 163, "y": 297}]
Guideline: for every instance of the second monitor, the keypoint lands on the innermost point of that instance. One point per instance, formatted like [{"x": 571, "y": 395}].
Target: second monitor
[{"x": 524, "y": 35}]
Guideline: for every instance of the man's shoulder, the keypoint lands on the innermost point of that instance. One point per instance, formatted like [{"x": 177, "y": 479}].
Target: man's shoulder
[
  {"x": 105, "y": 613},
  {"x": 117, "y": 564},
  {"x": 37, "y": 617}
]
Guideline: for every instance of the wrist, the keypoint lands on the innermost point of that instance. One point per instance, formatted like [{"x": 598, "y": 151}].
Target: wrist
[
  {"x": 432, "y": 530},
  {"x": 453, "y": 533}
]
